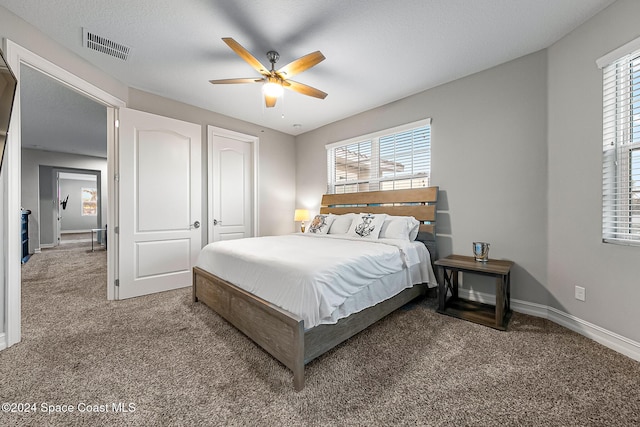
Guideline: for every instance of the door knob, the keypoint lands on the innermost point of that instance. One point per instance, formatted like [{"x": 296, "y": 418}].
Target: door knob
[
  {"x": 216, "y": 222},
  {"x": 196, "y": 224}
]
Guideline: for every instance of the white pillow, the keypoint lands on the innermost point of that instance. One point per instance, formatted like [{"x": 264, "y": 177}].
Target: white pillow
[
  {"x": 400, "y": 227},
  {"x": 413, "y": 231},
  {"x": 320, "y": 224},
  {"x": 341, "y": 223},
  {"x": 367, "y": 225}
]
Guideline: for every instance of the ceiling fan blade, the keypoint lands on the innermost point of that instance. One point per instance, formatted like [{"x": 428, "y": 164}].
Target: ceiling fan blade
[
  {"x": 234, "y": 81},
  {"x": 270, "y": 101},
  {"x": 305, "y": 90},
  {"x": 244, "y": 54},
  {"x": 301, "y": 64}
]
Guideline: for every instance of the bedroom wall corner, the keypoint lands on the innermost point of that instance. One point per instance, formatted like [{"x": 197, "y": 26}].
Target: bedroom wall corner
[
  {"x": 577, "y": 255},
  {"x": 489, "y": 158}
]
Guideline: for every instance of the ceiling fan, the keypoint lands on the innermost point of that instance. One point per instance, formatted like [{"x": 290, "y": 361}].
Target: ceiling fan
[{"x": 275, "y": 80}]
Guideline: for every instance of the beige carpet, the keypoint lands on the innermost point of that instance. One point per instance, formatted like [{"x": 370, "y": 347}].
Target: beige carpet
[
  {"x": 66, "y": 238},
  {"x": 178, "y": 363}
]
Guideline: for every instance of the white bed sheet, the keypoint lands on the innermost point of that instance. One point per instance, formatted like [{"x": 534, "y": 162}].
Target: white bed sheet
[{"x": 319, "y": 278}]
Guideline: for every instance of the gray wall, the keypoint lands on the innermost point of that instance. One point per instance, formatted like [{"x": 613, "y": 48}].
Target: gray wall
[
  {"x": 491, "y": 124},
  {"x": 576, "y": 254},
  {"x": 31, "y": 180}
]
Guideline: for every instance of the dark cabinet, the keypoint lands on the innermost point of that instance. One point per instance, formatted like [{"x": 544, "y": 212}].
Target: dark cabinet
[{"x": 25, "y": 235}]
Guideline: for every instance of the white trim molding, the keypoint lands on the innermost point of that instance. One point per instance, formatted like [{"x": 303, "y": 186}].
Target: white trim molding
[
  {"x": 618, "y": 53},
  {"x": 600, "y": 335}
]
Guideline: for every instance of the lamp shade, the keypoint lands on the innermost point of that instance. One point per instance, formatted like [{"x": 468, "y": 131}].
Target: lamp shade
[{"x": 301, "y": 215}]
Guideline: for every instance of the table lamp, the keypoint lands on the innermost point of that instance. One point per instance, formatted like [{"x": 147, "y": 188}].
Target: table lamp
[{"x": 301, "y": 215}]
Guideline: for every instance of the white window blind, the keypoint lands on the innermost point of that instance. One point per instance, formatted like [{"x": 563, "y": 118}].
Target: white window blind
[
  {"x": 392, "y": 159},
  {"x": 621, "y": 148}
]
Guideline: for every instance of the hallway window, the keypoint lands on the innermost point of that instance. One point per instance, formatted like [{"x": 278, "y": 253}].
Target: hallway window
[{"x": 89, "y": 202}]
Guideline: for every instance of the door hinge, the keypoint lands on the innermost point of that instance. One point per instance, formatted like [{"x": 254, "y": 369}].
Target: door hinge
[
  {"x": 117, "y": 177},
  {"x": 116, "y": 230},
  {"x": 117, "y": 282}
]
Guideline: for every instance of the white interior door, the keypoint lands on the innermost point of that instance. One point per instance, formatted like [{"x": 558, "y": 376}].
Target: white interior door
[
  {"x": 231, "y": 180},
  {"x": 159, "y": 205}
]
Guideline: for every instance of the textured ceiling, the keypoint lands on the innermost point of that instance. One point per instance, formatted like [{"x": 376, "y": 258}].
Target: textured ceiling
[{"x": 376, "y": 51}]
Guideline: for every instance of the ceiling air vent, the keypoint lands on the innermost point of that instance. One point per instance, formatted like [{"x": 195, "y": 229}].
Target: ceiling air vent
[{"x": 104, "y": 45}]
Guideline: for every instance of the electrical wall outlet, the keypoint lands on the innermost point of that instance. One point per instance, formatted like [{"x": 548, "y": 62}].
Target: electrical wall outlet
[{"x": 580, "y": 293}]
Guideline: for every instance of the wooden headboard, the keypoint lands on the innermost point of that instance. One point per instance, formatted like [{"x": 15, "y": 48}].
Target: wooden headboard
[{"x": 419, "y": 203}]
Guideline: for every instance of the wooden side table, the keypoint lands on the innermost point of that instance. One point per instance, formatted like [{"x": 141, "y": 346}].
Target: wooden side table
[{"x": 485, "y": 314}]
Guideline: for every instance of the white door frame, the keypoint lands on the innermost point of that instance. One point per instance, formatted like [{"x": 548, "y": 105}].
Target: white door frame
[
  {"x": 10, "y": 192},
  {"x": 255, "y": 143}
]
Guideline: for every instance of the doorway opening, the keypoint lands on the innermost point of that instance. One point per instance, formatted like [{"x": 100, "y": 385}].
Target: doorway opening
[
  {"x": 64, "y": 154},
  {"x": 21, "y": 59},
  {"x": 79, "y": 202}
]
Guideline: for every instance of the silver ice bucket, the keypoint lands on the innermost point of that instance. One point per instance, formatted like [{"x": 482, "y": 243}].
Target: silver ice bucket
[{"x": 481, "y": 251}]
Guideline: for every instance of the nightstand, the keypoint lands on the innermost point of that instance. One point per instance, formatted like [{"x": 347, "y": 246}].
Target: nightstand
[{"x": 485, "y": 314}]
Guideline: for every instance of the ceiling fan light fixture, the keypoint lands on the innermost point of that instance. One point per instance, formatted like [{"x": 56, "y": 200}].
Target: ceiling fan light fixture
[
  {"x": 273, "y": 81},
  {"x": 272, "y": 88}
]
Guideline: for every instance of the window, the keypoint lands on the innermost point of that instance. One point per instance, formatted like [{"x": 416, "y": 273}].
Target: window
[
  {"x": 621, "y": 146},
  {"x": 389, "y": 160},
  {"x": 634, "y": 182},
  {"x": 89, "y": 202}
]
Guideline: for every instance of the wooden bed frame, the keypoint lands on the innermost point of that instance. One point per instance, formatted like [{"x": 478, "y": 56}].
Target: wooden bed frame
[{"x": 282, "y": 333}]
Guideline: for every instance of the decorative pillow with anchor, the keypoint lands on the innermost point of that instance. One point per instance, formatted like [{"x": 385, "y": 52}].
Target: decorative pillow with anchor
[{"x": 367, "y": 226}]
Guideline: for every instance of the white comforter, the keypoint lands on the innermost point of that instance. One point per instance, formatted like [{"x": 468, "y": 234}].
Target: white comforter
[{"x": 306, "y": 274}]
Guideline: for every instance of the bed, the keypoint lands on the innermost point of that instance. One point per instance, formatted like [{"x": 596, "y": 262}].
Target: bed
[{"x": 281, "y": 332}]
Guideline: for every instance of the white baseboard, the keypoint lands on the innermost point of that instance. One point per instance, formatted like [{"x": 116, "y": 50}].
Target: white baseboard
[
  {"x": 3, "y": 341},
  {"x": 600, "y": 335}
]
